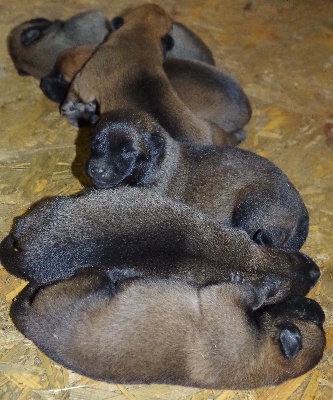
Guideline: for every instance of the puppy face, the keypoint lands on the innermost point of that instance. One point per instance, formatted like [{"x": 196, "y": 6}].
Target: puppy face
[{"x": 122, "y": 152}]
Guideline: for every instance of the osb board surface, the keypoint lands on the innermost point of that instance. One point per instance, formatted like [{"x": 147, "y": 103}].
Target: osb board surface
[{"x": 282, "y": 53}]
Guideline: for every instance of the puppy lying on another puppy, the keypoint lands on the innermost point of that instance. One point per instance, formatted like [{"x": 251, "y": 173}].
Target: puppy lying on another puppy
[
  {"x": 136, "y": 232},
  {"x": 156, "y": 331},
  {"x": 211, "y": 94},
  {"x": 130, "y": 71},
  {"x": 235, "y": 186}
]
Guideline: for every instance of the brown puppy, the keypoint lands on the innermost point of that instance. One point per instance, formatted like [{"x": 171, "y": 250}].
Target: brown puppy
[
  {"x": 209, "y": 93},
  {"x": 35, "y": 45},
  {"x": 155, "y": 331},
  {"x": 130, "y": 72},
  {"x": 141, "y": 233},
  {"x": 235, "y": 186}
]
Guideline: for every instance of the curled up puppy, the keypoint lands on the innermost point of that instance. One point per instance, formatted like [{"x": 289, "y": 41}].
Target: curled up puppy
[
  {"x": 165, "y": 331},
  {"x": 136, "y": 232},
  {"x": 130, "y": 71},
  {"x": 237, "y": 187}
]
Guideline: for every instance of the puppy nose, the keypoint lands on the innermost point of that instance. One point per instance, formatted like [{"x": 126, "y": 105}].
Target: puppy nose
[
  {"x": 313, "y": 271},
  {"x": 97, "y": 171}
]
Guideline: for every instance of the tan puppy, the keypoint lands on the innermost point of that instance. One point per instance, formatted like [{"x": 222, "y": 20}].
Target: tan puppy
[
  {"x": 130, "y": 72},
  {"x": 142, "y": 234},
  {"x": 35, "y": 45},
  {"x": 235, "y": 186},
  {"x": 155, "y": 331},
  {"x": 211, "y": 94}
]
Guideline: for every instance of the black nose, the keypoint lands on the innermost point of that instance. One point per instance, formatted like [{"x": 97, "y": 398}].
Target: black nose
[
  {"x": 313, "y": 271},
  {"x": 96, "y": 171}
]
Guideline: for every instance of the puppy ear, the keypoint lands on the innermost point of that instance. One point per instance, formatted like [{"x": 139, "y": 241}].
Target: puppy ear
[
  {"x": 167, "y": 42},
  {"x": 290, "y": 340},
  {"x": 116, "y": 23},
  {"x": 30, "y": 35}
]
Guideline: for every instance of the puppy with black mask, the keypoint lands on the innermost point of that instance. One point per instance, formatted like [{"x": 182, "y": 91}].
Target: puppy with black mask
[
  {"x": 161, "y": 331},
  {"x": 135, "y": 232},
  {"x": 130, "y": 72},
  {"x": 237, "y": 187},
  {"x": 35, "y": 45}
]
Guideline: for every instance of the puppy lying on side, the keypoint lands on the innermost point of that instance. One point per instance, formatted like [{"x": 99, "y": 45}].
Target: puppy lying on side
[
  {"x": 35, "y": 45},
  {"x": 235, "y": 186},
  {"x": 209, "y": 93},
  {"x": 130, "y": 71},
  {"x": 155, "y": 331},
  {"x": 125, "y": 227}
]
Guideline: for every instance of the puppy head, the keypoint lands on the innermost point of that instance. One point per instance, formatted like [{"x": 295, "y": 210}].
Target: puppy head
[
  {"x": 21, "y": 43},
  {"x": 151, "y": 17},
  {"x": 296, "y": 330},
  {"x": 35, "y": 45},
  {"x": 126, "y": 148}
]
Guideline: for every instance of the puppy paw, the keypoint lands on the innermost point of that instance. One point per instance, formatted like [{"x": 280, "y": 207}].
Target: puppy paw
[
  {"x": 290, "y": 340},
  {"x": 235, "y": 277},
  {"x": 78, "y": 113}
]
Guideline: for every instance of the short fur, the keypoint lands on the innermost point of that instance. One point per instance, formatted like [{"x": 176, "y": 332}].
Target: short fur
[
  {"x": 211, "y": 94},
  {"x": 130, "y": 72},
  {"x": 155, "y": 331},
  {"x": 235, "y": 186},
  {"x": 35, "y": 45},
  {"x": 140, "y": 233}
]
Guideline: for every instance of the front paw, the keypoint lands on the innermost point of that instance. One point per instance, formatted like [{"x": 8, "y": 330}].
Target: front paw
[{"x": 79, "y": 113}]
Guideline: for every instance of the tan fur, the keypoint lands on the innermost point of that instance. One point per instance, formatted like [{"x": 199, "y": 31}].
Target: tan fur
[
  {"x": 38, "y": 57},
  {"x": 169, "y": 332},
  {"x": 211, "y": 94},
  {"x": 130, "y": 73}
]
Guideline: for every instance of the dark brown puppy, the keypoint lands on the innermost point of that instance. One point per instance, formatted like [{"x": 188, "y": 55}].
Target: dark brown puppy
[
  {"x": 211, "y": 94},
  {"x": 130, "y": 72},
  {"x": 235, "y": 186},
  {"x": 129, "y": 228},
  {"x": 35, "y": 45},
  {"x": 155, "y": 331}
]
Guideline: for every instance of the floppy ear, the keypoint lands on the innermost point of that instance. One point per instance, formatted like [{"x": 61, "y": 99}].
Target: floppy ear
[
  {"x": 30, "y": 35},
  {"x": 116, "y": 23},
  {"x": 167, "y": 42},
  {"x": 290, "y": 340}
]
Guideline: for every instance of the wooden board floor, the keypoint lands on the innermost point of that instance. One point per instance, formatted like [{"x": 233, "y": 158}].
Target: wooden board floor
[{"x": 282, "y": 54}]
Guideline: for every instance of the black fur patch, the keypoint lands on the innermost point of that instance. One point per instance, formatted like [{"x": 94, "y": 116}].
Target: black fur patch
[{"x": 290, "y": 340}]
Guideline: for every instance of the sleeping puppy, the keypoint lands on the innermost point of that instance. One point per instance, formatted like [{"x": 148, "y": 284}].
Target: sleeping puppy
[
  {"x": 235, "y": 186},
  {"x": 128, "y": 227},
  {"x": 211, "y": 94},
  {"x": 130, "y": 72},
  {"x": 159, "y": 331},
  {"x": 35, "y": 45}
]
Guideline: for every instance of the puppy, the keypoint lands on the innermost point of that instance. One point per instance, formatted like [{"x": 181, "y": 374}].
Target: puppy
[
  {"x": 235, "y": 186},
  {"x": 139, "y": 233},
  {"x": 209, "y": 93},
  {"x": 155, "y": 331},
  {"x": 130, "y": 72},
  {"x": 35, "y": 45}
]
